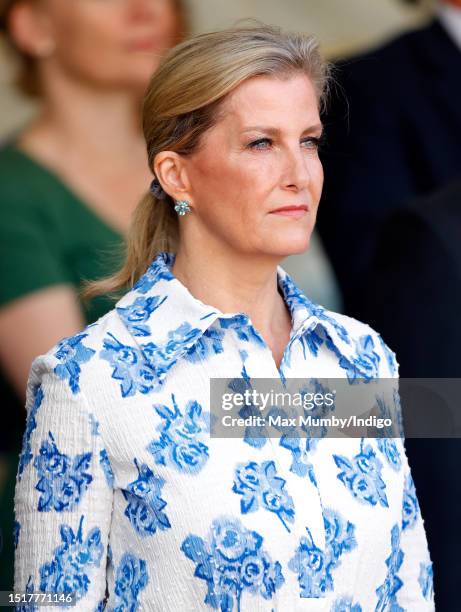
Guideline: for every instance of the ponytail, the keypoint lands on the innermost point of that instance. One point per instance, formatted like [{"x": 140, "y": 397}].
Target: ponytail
[{"x": 154, "y": 228}]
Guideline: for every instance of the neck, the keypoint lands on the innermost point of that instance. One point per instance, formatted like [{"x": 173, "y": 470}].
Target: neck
[
  {"x": 101, "y": 122},
  {"x": 235, "y": 282}
]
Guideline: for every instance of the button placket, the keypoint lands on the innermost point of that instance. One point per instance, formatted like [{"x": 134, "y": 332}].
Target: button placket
[{"x": 309, "y": 504}]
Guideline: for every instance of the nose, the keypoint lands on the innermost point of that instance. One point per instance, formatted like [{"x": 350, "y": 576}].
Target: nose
[{"x": 297, "y": 174}]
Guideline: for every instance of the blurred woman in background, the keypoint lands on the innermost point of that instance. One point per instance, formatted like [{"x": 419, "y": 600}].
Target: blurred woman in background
[{"x": 69, "y": 180}]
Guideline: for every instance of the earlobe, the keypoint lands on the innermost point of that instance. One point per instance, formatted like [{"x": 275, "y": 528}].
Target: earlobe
[{"x": 170, "y": 170}]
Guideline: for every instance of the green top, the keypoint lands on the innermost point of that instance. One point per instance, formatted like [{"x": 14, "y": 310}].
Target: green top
[{"x": 48, "y": 236}]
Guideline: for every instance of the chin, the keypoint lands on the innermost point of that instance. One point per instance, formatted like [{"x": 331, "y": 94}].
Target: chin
[
  {"x": 292, "y": 246},
  {"x": 137, "y": 74},
  {"x": 297, "y": 241}
]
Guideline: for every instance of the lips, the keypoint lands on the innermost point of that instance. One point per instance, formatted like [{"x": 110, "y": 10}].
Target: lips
[
  {"x": 293, "y": 207},
  {"x": 293, "y": 211},
  {"x": 147, "y": 44}
]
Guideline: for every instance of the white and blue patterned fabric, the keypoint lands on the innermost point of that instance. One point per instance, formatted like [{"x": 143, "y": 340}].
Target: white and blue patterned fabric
[{"x": 121, "y": 487}]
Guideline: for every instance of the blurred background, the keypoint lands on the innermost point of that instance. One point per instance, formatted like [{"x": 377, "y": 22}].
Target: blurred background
[
  {"x": 342, "y": 27},
  {"x": 387, "y": 245}
]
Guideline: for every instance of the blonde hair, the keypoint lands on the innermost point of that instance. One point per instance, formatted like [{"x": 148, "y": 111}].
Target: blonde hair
[
  {"x": 183, "y": 100},
  {"x": 26, "y": 77}
]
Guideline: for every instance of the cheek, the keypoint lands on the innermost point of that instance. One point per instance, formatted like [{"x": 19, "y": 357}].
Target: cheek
[
  {"x": 90, "y": 40},
  {"x": 232, "y": 193},
  {"x": 316, "y": 180}
]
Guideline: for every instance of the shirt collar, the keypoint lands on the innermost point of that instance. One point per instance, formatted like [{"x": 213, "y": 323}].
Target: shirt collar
[{"x": 166, "y": 320}]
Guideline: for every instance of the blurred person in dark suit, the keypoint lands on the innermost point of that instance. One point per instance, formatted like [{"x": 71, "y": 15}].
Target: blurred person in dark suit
[
  {"x": 394, "y": 124},
  {"x": 414, "y": 296},
  {"x": 69, "y": 180},
  {"x": 417, "y": 279}
]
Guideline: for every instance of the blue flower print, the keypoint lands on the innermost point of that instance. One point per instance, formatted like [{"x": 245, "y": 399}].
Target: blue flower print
[
  {"x": 232, "y": 561},
  {"x": 135, "y": 315},
  {"x": 145, "y": 505},
  {"x": 362, "y": 476},
  {"x": 410, "y": 506},
  {"x": 104, "y": 462},
  {"x": 182, "y": 439},
  {"x": 314, "y": 566},
  {"x": 179, "y": 339},
  {"x": 28, "y": 607},
  {"x": 62, "y": 480},
  {"x": 365, "y": 364},
  {"x": 295, "y": 300},
  {"x": 339, "y": 536},
  {"x": 164, "y": 356},
  {"x": 244, "y": 374},
  {"x": 398, "y": 412},
  {"x": 128, "y": 366},
  {"x": 300, "y": 449},
  {"x": 101, "y": 605},
  {"x": 255, "y": 435},
  {"x": 130, "y": 579},
  {"x": 31, "y": 424},
  {"x": 390, "y": 410},
  {"x": 243, "y": 328},
  {"x": 387, "y": 592},
  {"x": 94, "y": 424},
  {"x": 70, "y": 569},
  {"x": 344, "y": 604},
  {"x": 159, "y": 269},
  {"x": 301, "y": 446},
  {"x": 426, "y": 580},
  {"x": 71, "y": 353},
  {"x": 209, "y": 344},
  {"x": 389, "y": 449},
  {"x": 390, "y": 357},
  {"x": 312, "y": 341},
  {"x": 260, "y": 486},
  {"x": 310, "y": 563},
  {"x": 16, "y": 531}
]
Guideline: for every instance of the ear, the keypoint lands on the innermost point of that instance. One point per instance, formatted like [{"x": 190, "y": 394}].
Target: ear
[
  {"x": 170, "y": 169},
  {"x": 30, "y": 29}
]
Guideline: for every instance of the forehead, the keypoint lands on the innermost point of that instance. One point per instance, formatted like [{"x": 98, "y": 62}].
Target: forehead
[{"x": 268, "y": 98}]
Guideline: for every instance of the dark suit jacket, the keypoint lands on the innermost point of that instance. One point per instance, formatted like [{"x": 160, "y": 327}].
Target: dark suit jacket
[
  {"x": 393, "y": 132},
  {"x": 414, "y": 288},
  {"x": 414, "y": 300}
]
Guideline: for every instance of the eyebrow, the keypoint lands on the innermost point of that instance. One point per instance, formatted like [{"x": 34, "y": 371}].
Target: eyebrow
[{"x": 276, "y": 131}]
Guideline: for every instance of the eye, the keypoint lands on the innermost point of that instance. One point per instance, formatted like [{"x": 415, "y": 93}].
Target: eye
[
  {"x": 312, "y": 142},
  {"x": 259, "y": 144}
]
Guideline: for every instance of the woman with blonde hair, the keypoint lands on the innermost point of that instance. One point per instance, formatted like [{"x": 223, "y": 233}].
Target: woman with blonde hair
[{"x": 124, "y": 497}]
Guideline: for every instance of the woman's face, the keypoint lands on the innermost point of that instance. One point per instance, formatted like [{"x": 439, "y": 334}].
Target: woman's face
[
  {"x": 113, "y": 43},
  {"x": 262, "y": 155}
]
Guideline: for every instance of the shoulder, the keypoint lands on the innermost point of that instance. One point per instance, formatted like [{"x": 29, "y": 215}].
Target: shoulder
[
  {"x": 381, "y": 68},
  {"x": 12, "y": 165},
  {"x": 81, "y": 362},
  {"x": 20, "y": 184},
  {"x": 400, "y": 47}
]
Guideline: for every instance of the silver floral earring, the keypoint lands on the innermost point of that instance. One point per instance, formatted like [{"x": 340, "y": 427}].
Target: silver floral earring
[{"x": 181, "y": 207}]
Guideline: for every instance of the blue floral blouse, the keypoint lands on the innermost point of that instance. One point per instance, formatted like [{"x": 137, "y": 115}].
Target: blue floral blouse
[{"x": 123, "y": 497}]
